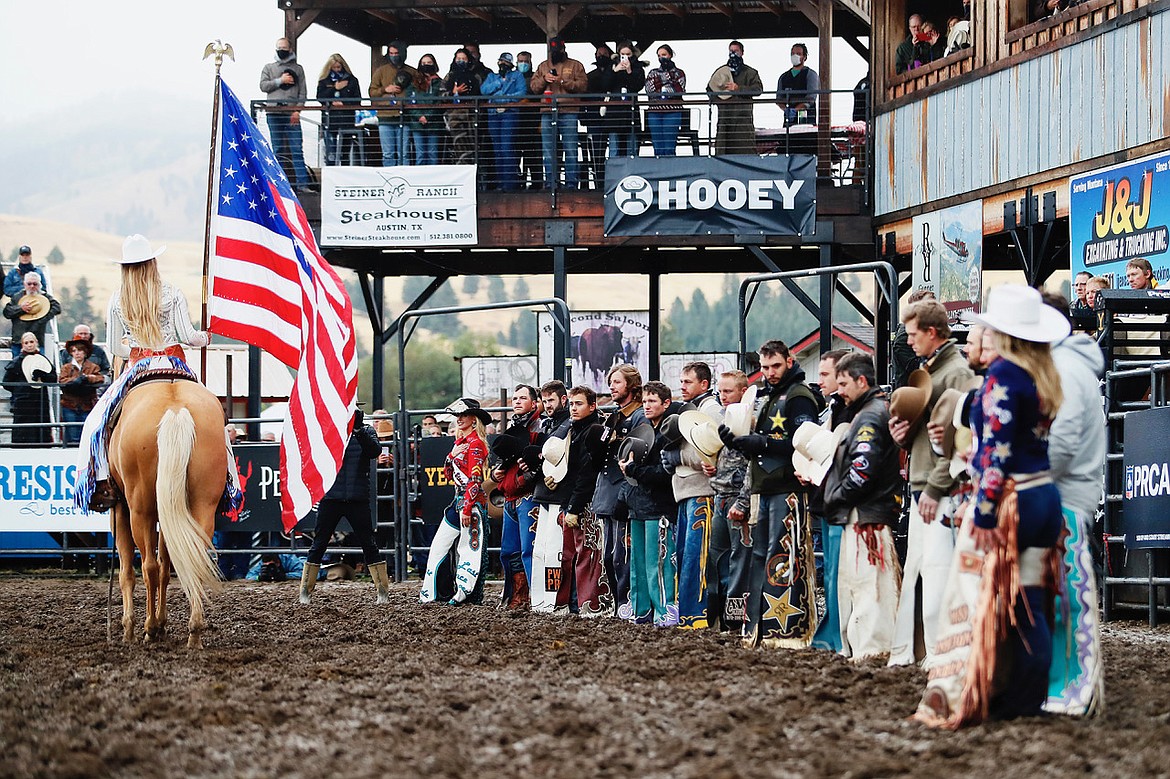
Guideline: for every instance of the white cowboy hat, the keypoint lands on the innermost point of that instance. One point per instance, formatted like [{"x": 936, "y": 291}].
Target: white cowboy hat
[
  {"x": 813, "y": 448},
  {"x": 556, "y": 458},
  {"x": 136, "y": 249},
  {"x": 32, "y": 363},
  {"x": 1018, "y": 310},
  {"x": 700, "y": 432},
  {"x": 738, "y": 416}
]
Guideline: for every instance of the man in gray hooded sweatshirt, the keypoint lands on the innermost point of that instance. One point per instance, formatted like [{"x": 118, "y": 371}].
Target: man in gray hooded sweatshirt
[{"x": 284, "y": 83}]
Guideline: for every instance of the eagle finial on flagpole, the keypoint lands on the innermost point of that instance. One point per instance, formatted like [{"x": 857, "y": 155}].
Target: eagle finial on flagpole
[{"x": 219, "y": 49}]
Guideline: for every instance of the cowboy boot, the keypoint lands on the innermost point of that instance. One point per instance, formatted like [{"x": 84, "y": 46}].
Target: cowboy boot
[
  {"x": 381, "y": 582},
  {"x": 520, "y": 599},
  {"x": 308, "y": 581}
]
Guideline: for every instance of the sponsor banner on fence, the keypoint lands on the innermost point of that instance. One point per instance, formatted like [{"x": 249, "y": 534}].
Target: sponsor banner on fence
[
  {"x": 36, "y": 493},
  {"x": 259, "y": 466},
  {"x": 420, "y": 205},
  {"x": 1119, "y": 214},
  {"x": 1145, "y": 505},
  {"x": 729, "y": 195},
  {"x": 484, "y": 377},
  {"x": 598, "y": 341},
  {"x": 948, "y": 257}
]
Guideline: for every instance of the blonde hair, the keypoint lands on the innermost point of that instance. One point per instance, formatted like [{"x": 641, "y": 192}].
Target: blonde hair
[
  {"x": 1036, "y": 360},
  {"x": 739, "y": 377},
  {"x": 329, "y": 65},
  {"x": 141, "y": 300}
]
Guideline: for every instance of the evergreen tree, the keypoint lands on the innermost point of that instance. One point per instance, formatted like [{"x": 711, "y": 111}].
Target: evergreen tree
[
  {"x": 470, "y": 284},
  {"x": 495, "y": 290},
  {"x": 521, "y": 291},
  {"x": 55, "y": 257}
]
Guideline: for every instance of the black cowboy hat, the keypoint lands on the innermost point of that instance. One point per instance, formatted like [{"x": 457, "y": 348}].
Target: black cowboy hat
[
  {"x": 639, "y": 443},
  {"x": 469, "y": 406},
  {"x": 531, "y": 457},
  {"x": 509, "y": 445}
]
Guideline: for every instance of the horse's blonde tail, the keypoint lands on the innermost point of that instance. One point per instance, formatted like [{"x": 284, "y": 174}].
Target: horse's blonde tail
[{"x": 187, "y": 543}]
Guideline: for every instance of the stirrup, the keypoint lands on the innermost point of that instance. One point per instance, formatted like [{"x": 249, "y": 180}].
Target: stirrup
[{"x": 104, "y": 498}]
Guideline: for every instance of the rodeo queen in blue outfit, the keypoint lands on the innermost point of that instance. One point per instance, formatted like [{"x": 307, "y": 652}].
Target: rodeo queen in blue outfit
[
  {"x": 465, "y": 520},
  {"x": 1014, "y": 517}
]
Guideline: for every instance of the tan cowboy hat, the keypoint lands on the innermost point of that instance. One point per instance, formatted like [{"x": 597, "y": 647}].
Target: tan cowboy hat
[
  {"x": 942, "y": 414},
  {"x": 910, "y": 401},
  {"x": 556, "y": 458},
  {"x": 738, "y": 416},
  {"x": 495, "y": 498},
  {"x": 700, "y": 432},
  {"x": 33, "y": 363},
  {"x": 813, "y": 448},
  {"x": 384, "y": 428},
  {"x": 136, "y": 248},
  {"x": 718, "y": 82},
  {"x": 962, "y": 440},
  {"x": 40, "y": 307}
]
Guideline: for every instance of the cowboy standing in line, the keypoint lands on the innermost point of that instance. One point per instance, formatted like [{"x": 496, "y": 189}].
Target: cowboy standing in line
[
  {"x": 517, "y": 480},
  {"x": 549, "y": 495}
]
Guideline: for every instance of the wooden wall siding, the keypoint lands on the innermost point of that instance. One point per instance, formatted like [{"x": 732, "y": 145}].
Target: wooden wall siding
[{"x": 1084, "y": 101}]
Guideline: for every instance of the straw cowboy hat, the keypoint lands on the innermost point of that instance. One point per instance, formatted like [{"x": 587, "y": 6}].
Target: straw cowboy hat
[
  {"x": 910, "y": 401},
  {"x": 136, "y": 248},
  {"x": 1018, "y": 310},
  {"x": 813, "y": 448},
  {"x": 949, "y": 411},
  {"x": 469, "y": 406},
  {"x": 40, "y": 307},
  {"x": 700, "y": 431},
  {"x": 738, "y": 416},
  {"x": 556, "y": 458},
  {"x": 33, "y": 363},
  {"x": 638, "y": 442}
]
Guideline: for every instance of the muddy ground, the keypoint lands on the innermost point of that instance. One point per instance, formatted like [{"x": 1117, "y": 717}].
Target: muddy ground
[{"x": 345, "y": 688}]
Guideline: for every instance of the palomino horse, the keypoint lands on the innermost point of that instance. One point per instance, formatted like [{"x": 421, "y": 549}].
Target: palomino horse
[{"x": 169, "y": 464}]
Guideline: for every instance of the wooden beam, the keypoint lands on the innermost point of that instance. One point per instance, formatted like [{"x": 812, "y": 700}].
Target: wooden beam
[
  {"x": 775, "y": 8},
  {"x": 384, "y": 16},
  {"x": 479, "y": 13},
  {"x": 568, "y": 12},
  {"x": 724, "y": 8},
  {"x": 624, "y": 10},
  {"x": 294, "y": 26},
  {"x": 536, "y": 16},
  {"x": 434, "y": 16},
  {"x": 825, "y": 71},
  {"x": 678, "y": 9},
  {"x": 809, "y": 9}
]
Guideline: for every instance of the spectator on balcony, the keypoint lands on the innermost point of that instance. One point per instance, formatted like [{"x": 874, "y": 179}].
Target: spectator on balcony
[
  {"x": 506, "y": 85},
  {"x": 386, "y": 90},
  {"x": 339, "y": 91},
  {"x": 904, "y": 54},
  {"x": 1081, "y": 290},
  {"x": 14, "y": 280},
  {"x": 861, "y": 99},
  {"x": 629, "y": 78},
  {"x": 931, "y": 47},
  {"x": 485, "y": 153},
  {"x": 478, "y": 69},
  {"x": 958, "y": 35},
  {"x": 79, "y": 379},
  {"x": 97, "y": 354},
  {"x": 1041, "y": 9},
  {"x": 422, "y": 116},
  {"x": 665, "y": 86},
  {"x": 31, "y": 311},
  {"x": 461, "y": 83},
  {"x": 528, "y": 129},
  {"x": 25, "y": 378},
  {"x": 796, "y": 91},
  {"x": 284, "y": 83},
  {"x": 595, "y": 110},
  {"x": 557, "y": 77},
  {"x": 735, "y": 85}
]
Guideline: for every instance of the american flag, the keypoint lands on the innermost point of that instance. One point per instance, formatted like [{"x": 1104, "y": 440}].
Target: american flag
[{"x": 270, "y": 287}]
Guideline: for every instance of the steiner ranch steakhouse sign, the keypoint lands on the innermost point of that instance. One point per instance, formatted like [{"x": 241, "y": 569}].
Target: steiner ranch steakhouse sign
[
  {"x": 729, "y": 195},
  {"x": 422, "y": 205}
]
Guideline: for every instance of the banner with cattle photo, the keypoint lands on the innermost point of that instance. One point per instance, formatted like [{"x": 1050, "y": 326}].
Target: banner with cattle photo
[
  {"x": 599, "y": 340},
  {"x": 948, "y": 257},
  {"x": 729, "y": 195}
]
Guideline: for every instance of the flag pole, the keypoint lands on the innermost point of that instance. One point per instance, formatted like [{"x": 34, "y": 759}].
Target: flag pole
[{"x": 218, "y": 49}]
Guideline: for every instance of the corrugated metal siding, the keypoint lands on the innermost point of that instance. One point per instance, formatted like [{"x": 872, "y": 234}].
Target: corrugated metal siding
[{"x": 1079, "y": 102}]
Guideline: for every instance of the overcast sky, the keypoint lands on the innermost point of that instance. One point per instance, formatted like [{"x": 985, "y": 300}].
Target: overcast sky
[{"x": 61, "y": 53}]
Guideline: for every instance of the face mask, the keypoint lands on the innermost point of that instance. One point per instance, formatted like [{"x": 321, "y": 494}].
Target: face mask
[
  {"x": 524, "y": 67},
  {"x": 602, "y": 61},
  {"x": 558, "y": 55},
  {"x": 734, "y": 61},
  {"x": 666, "y": 63},
  {"x": 462, "y": 65},
  {"x": 396, "y": 60},
  {"x": 796, "y": 60},
  {"x": 504, "y": 68},
  {"x": 429, "y": 69},
  {"x": 283, "y": 54}
]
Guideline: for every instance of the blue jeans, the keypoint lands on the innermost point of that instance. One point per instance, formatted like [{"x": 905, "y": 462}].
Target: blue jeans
[
  {"x": 72, "y": 434},
  {"x": 564, "y": 128},
  {"x": 287, "y": 142},
  {"x": 664, "y": 127},
  {"x": 395, "y": 140},
  {"x": 691, "y": 544},
  {"x": 626, "y": 140},
  {"x": 828, "y": 635},
  {"x": 426, "y": 147},
  {"x": 502, "y": 128}
]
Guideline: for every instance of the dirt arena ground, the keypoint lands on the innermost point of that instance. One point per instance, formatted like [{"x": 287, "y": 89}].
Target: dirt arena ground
[{"x": 344, "y": 688}]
